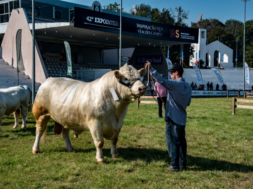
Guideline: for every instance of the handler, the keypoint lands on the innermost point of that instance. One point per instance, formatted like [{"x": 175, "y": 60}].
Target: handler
[{"x": 178, "y": 98}]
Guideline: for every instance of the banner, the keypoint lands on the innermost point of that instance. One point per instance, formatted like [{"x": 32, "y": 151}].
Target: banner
[
  {"x": 198, "y": 74},
  {"x": 105, "y": 22},
  {"x": 68, "y": 56},
  {"x": 153, "y": 59},
  {"x": 218, "y": 74},
  {"x": 247, "y": 78},
  {"x": 169, "y": 64}
]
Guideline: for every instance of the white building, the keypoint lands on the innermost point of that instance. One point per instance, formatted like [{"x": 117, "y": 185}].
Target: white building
[{"x": 206, "y": 52}]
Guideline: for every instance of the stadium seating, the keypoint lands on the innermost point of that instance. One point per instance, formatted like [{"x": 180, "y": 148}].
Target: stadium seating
[
  {"x": 232, "y": 77},
  {"x": 9, "y": 78}
]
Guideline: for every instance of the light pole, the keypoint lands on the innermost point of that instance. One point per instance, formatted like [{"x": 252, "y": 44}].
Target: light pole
[
  {"x": 120, "y": 34},
  {"x": 245, "y": 1},
  {"x": 236, "y": 54},
  {"x": 33, "y": 51}
]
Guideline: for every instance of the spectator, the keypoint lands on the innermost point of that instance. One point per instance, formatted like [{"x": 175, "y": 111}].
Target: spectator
[
  {"x": 211, "y": 86},
  {"x": 208, "y": 85},
  {"x": 161, "y": 92},
  {"x": 217, "y": 87}
]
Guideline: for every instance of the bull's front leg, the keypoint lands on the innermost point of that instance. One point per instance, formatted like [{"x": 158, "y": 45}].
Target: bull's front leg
[
  {"x": 16, "y": 117},
  {"x": 97, "y": 135},
  {"x": 65, "y": 136},
  {"x": 24, "y": 112},
  {"x": 114, "y": 151}
]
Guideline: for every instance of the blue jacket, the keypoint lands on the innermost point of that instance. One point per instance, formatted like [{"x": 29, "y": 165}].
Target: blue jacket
[{"x": 178, "y": 97}]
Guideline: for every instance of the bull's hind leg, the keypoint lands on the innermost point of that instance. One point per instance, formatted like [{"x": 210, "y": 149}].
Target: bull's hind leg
[
  {"x": 24, "y": 113},
  {"x": 16, "y": 117},
  {"x": 65, "y": 135},
  {"x": 41, "y": 126},
  {"x": 96, "y": 131},
  {"x": 114, "y": 151}
]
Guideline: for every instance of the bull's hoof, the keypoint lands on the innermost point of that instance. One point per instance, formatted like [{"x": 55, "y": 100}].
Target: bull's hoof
[
  {"x": 15, "y": 126},
  {"x": 115, "y": 156},
  {"x": 23, "y": 127},
  {"x": 70, "y": 150},
  {"x": 101, "y": 160},
  {"x": 75, "y": 135},
  {"x": 36, "y": 151}
]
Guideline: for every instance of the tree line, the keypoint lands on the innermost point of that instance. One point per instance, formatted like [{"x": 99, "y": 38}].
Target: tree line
[{"x": 231, "y": 33}]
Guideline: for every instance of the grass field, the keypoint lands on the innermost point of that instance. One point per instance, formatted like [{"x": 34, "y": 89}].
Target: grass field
[{"x": 220, "y": 153}]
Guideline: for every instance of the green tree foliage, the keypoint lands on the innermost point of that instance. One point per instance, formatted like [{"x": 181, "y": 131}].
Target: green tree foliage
[
  {"x": 142, "y": 10},
  {"x": 224, "y": 36},
  {"x": 113, "y": 7},
  {"x": 180, "y": 15},
  {"x": 233, "y": 26},
  {"x": 208, "y": 24}
]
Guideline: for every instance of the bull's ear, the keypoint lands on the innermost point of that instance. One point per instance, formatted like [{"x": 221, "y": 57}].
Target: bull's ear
[
  {"x": 142, "y": 72},
  {"x": 117, "y": 74}
]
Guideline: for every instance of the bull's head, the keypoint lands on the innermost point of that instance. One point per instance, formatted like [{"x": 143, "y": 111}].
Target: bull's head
[{"x": 130, "y": 77}]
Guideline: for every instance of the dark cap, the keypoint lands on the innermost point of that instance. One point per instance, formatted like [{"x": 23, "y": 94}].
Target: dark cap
[{"x": 178, "y": 68}]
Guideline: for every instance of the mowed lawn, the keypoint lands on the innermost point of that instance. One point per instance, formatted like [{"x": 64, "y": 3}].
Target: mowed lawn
[{"x": 220, "y": 152}]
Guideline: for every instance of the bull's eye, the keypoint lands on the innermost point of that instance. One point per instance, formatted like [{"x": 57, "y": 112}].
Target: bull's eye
[{"x": 126, "y": 79}]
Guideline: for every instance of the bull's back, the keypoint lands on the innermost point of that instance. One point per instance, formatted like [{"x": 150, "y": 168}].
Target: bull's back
[
  {"x": 61, "y": 98},
  {"x": 12, "y": 98}
]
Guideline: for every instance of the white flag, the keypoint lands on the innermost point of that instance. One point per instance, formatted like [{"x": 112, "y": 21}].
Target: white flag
[
  {"x": 198, "y": 74},
  {"x": 169, "y": 63},
  {"x": 247, "y": 79},
  {"x": 218, "y": 74}
]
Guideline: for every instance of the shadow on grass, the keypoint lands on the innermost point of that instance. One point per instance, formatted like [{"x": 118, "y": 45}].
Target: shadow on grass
[
  {"x": 149, "y": 155},
  {"x": 28, "y": 131}
]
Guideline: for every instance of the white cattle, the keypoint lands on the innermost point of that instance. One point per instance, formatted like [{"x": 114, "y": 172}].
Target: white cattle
[
  {"x": 12, "y": 100},
  {"x": 82, "y": 106}
]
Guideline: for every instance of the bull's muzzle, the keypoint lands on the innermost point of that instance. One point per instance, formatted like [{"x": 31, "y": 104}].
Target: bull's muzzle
[{"x": 142, "y": 91}]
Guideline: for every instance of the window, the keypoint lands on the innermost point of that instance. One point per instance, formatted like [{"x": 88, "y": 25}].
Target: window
[
  {"x": 58, "y": 14},
  {"x": 202, "y": 34}
]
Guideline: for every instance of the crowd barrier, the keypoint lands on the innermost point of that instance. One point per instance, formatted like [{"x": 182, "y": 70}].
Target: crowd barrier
[
  {"x": 234, "y": 106},
  {"x": 248, "y": 95}
]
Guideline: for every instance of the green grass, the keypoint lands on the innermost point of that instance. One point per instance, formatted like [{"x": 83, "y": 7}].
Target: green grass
[{"x": 220, "y": 152}]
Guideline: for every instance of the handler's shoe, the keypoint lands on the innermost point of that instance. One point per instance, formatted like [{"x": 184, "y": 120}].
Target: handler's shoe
[{"x": 170, "y": 168}]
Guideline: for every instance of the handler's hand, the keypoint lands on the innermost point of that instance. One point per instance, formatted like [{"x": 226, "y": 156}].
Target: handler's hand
[{"x": 148, "y": 65}]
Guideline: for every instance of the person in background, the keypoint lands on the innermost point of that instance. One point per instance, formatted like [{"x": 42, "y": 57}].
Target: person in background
[
  {"x": 217, "y": 87},
  {"x": 211, "y": 86},
  {"x": 208, "y": 85},
  {"x": 161, "y": 92}
]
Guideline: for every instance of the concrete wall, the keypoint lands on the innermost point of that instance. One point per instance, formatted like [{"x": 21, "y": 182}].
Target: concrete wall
[
  {"x": 147, "y": 51},
  {"x": 18, "y": 20}
]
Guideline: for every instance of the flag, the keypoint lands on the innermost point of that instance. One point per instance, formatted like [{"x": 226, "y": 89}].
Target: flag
[
  {"x": 198, "y": 74},
  {"x": 247, "y": 78},
  {"x": 169, "y": 64},
  {"x": 68, "y": 56},
  {"x": 218, "y": 74}
]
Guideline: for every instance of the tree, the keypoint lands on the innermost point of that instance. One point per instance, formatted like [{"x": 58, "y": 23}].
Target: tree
[
  {"x": 233, "y": 26},
  {"x": 208, "y": 24},
  {"x": 113, "y": 7},
  {"x": 180, "y": 15},
  {"x": 142, "y": 10}
]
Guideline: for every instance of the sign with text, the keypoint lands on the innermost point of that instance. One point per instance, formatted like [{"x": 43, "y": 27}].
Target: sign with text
[
  {"x": 153, "y": 59},
  {"x": 93, "y": 20}
]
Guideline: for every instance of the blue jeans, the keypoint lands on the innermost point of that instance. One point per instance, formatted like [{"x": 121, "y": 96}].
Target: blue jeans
[{"x": 176, "y": 144}]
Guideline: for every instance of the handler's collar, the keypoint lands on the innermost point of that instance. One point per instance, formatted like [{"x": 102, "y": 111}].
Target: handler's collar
[{"x": 129, "y": 85}]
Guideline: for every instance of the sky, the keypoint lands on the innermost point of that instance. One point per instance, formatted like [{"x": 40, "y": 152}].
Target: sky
[{"x": 222, "y": 10}]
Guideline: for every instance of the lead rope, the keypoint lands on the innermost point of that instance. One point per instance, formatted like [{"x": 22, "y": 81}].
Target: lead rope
[{"x": 154, "y": 86}]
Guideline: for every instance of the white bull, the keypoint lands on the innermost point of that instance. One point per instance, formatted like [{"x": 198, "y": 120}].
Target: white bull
[
  {"x": 81, "y": 106},
  {"x": 12, "y": 100}
]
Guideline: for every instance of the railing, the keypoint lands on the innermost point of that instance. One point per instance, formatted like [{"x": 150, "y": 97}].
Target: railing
[
  {"x": 239, "y": 94},
  {"x": 250, "y": 95},
  {"x": 145, "y": 102},
  {"x": 234, "y": 106}
]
